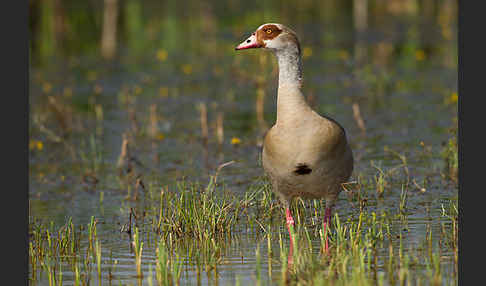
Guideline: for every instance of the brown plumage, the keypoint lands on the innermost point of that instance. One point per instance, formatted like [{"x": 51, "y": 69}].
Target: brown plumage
[{"x": 304, "y": 154}]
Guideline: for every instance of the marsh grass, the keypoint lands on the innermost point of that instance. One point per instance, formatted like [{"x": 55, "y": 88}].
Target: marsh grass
[
  {"x": 450, "y": 156},
  {"x": 380, "y": 181},
  {"x": 355, "y": 256},
  {"x": 195, "y": 213},
  {"x": 193, "y": 227},
  {"x": 138, "y": 248},
  {"x": 93, "y": 157}
]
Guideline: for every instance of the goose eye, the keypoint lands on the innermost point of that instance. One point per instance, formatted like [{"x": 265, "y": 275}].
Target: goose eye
[{"x": 269, "y": 31}]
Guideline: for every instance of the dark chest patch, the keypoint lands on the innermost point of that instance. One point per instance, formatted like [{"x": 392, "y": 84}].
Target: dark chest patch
[{"x": 302, "y": 169}]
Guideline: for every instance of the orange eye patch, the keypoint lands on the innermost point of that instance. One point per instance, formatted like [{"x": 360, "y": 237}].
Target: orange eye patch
[{"x": 267, "y": 32}]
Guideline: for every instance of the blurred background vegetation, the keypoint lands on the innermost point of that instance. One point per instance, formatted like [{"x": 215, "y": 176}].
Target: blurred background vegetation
[
  {"x": 165, "y": 74},
  {"x": 110, "y": 28},
  {"x": 162, "y": 78}
]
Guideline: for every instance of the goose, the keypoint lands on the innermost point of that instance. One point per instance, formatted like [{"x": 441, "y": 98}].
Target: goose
[{"x": 304, "y": 154}]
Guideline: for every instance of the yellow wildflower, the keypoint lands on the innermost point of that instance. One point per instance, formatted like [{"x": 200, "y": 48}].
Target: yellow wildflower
[
  {"x": 307, "y": 52},
  {"x": 187, "y": 69},
  {"x": 40, "y": 145},
  {"x": 160, "y": 136},
  {"x": 343, "y": 55},
  {"x": 454, "y": 97},
  {"x": 162, "y": 55},
  {"x": 419, "y": 55},
  {"x": 235, "y": 141},
  {"x": 35, "y": 144},
  {"x": 163, "y": 91}
]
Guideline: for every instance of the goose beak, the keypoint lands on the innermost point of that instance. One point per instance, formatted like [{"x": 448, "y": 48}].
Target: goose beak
[{"x": 249, "y": 43}]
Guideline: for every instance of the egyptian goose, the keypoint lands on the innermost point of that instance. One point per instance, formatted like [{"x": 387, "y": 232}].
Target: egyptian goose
[{"x": 304, "y": 154}]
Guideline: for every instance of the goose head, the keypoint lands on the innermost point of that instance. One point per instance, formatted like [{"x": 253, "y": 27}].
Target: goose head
[
  {"x": 272, "y": 36},
  {"x": 283, "y": 42}
]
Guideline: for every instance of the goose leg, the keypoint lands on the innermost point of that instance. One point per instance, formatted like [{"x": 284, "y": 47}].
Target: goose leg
[
  {"x": 290, "y": 222},
  {"x": 327, "y": 220}
]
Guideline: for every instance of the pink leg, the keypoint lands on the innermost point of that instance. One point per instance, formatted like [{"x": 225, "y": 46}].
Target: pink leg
[
  {"x": 327, "y": 220},
  {"x": 290, "y": 222}
]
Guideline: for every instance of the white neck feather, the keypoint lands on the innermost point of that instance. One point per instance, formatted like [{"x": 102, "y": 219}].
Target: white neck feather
[
  {"x": 291, "y": 104},
  {"x": 290, "y": 66}
]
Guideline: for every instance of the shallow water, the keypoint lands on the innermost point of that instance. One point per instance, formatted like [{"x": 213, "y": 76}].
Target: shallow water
[{"x": 401, "y": 70}]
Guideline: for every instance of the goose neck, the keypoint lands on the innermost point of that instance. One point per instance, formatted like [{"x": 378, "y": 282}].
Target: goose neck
[{"x": 290, "y": 67}]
